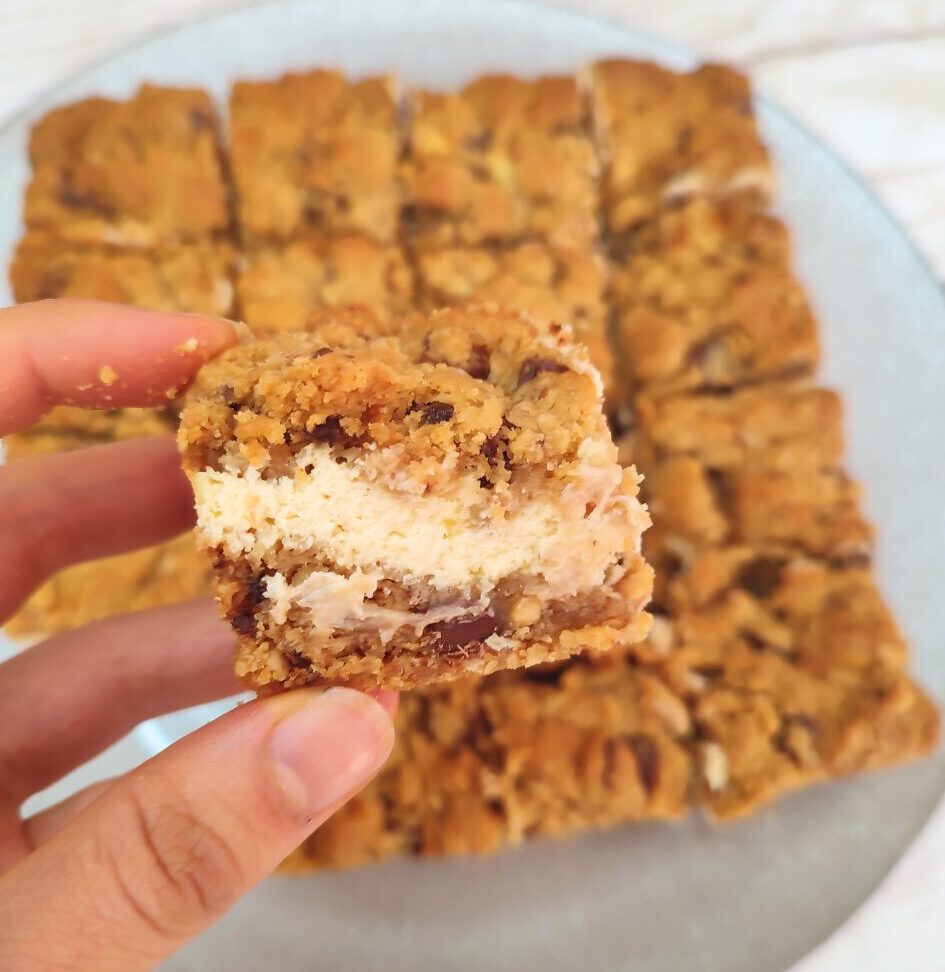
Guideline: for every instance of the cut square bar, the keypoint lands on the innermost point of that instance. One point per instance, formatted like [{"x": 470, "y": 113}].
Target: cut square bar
[
  {"x": 704, "y": 299},
  {"x": 554, "y": 283},
  {"x": 280, "y": 284},
  {"x": 140, "y": 173},
  {"x": 665, "y": 136},
  {"x": 315, "y": 153},
  {"x": 400, "y": 504},
  {"x": 502, "y": 160}
]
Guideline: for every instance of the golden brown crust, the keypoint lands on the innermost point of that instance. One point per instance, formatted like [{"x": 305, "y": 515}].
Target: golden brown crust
[
  {"x": 502, "y": 160},
  {"x": 141, "y": 173},
  {"x": 315, "y": 153}
]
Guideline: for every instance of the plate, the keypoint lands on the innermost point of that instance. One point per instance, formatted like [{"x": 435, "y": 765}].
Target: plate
[{"x": 750, "y": 897}]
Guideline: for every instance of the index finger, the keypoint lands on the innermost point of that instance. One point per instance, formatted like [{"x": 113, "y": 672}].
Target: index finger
[{"x": 98, "y": 355}]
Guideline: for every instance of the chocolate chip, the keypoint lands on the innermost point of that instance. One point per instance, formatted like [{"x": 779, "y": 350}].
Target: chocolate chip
[
  {"x": 432, "y": 413},
  {"x": 490, "y": 449},
  {"x": 321, "y": 352},
  {"x": 480, "y": 141},
  {"x": 647, "y": 758},
  {"x": 295, "y": 659},
  {"x": 683, "y": 139},
  {"x": 761, "y": 576},
  {"x": 478, "y": 365},
  {"x": 70, "y": 195},
  {"x": 534, "y": 366},
  {"x": 51, "y": 284},
  {"x": 242, "y": 614},
  {"x": 547, "y": 674},
  {"x": 463, "y": 633},
  {"x": 486, "y": 483},
  {"x": 329, "y": 432},
  {"x": 200, "y": 120}
]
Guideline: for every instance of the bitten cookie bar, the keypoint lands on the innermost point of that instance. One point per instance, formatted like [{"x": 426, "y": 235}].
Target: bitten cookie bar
[
  {"x": 394, "y": 506},
  {"x": 554, "y": 283},
  {"x": 140, "y": 173},
  {"x": 704, "y": 298},
  {"x": 665, "y": 135},
  {"x": 315, "y": 153},
  {"x": 504, "y": 159},
  {"x": 279, "y": 285}
]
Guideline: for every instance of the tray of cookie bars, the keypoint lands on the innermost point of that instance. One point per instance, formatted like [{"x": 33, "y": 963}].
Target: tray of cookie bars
[{"x": 625, "y": 199}]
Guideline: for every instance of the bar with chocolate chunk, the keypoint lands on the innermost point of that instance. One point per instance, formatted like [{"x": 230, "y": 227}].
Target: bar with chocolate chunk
[
  {"x": 504, "y": 159},
  {"x": 760, "y": 466},
  {"x": 140, "y": 173},
  {"x": 280, "y": 284},
  {"x": 704, "y": 298},
  {"x": 315, "y": 153},
  {"x": 395, "y": 503},
  {"x": 794, "y": 671},
  {"x": 484, "y": 764},
  {"x": 554, "y": 283},
  {"x": 665, "y": 135}
]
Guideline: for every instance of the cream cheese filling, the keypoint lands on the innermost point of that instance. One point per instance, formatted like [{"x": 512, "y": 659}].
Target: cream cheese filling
[{"x": 463, "y": 540}]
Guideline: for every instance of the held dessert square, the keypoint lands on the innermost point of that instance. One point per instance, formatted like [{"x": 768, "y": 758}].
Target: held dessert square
[{"x": 395, "y": 504}]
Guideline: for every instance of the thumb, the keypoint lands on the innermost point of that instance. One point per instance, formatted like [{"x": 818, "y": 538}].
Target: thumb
[{"x": 167, "y": 850}]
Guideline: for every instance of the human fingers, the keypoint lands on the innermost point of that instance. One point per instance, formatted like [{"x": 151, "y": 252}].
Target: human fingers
[
  {"x": 60, "y": 509},
  {"x": 97, "y": 355},
  {"x": 165, "y": 851}
]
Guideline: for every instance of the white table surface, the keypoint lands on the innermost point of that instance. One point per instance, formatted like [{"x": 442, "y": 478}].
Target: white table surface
[{"x": 867, "y": 75}]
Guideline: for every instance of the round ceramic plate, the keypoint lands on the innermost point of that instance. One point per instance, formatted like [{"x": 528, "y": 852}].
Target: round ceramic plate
[{"x": 750, "y": 897}]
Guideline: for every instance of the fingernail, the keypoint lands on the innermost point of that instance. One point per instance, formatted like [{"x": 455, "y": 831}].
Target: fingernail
[{"x": 329, "y": 747}]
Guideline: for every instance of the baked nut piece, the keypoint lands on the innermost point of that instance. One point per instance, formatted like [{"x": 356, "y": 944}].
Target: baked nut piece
[
  {"x": 193, "y": 277},
  {"x": 404, "y": 504},
  {"x": 760, "y": 466},
  {"x": 503, "y": 159},
  {"x": 316, "y": 153},
  {"x": 485, "y": 763},
  {"x": 794, "y": 671},
  {"x": 665, "y": 135},
  {"x": 138, "y": 173},
  {"x": 554, "y": 283},
  {"x": 279, "y": 285},
  {"x": 704, "y": 298}
]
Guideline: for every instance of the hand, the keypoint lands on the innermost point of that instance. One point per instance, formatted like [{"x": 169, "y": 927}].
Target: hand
[{"x": 121, "y": 875}]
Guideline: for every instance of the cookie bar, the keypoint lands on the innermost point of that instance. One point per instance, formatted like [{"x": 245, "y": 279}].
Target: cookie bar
[
  {"x": 315, "y": 153},
  {"x": 65, "y": 428},
  {"x": 403, "y": 504},
  {"x": 502, "y": 160},
  {"x": 554, "y": 283},
  {"x": 139, "y": 173},
  {"x": 793, "y": 671},
  {"x": 704, "y": 298},
  {"x": 665, "y": 136},
  {"x": 760, "y": 466},
  {"x": 99, "y": 589},
  {"x": 279, "y": 285},
  {"x": 194, "y": 277},
  {"x": 482, "y": 764}
]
